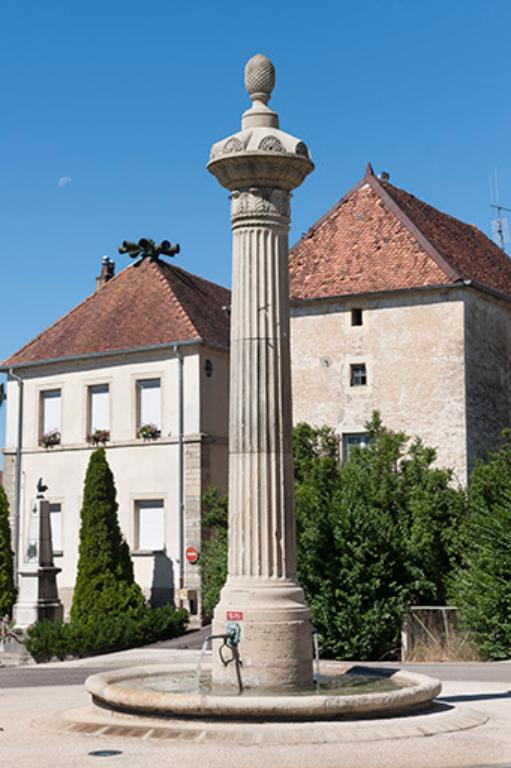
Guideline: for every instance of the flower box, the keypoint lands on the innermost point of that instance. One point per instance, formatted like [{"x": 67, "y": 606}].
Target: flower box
[
  {"x": 99, "y": 437},
  {"x": 148, "y": 432},
  {"x": 51, "y": 438}
]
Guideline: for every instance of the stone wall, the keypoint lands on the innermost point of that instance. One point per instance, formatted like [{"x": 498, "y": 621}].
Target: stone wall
[
  {"x": 488, "y": 372},
  {"x": 413, "y": 347}
]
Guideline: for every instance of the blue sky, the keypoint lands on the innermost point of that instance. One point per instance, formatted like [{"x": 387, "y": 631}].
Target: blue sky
[{"x": 125, "y": 97}]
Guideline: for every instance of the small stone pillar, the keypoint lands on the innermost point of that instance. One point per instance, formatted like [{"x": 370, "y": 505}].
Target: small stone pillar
[
  {"x": 38, "y": 598},
  {"x": 260, "y": 165}
]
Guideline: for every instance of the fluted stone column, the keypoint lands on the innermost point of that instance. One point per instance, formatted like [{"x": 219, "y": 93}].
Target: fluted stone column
[{"x": 261, "y": 165}]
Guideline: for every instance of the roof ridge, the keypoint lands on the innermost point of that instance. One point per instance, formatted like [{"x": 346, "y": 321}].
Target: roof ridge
[
  {"x": 438, "y": 210},
  {"x": 174, "y": 299},
  {"x": 394, "y": 207},
  {"x": 199, "y": 278}
]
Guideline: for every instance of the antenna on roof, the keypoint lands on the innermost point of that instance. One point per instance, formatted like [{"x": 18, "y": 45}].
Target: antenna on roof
[{"x": 500, "y": 225}]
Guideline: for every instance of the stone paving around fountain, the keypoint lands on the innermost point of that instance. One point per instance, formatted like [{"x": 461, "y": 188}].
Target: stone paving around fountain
[{"x": 34, "y": 733}]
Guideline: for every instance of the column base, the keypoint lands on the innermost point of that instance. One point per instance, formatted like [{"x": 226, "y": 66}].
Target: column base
[{"x": 276, "y": 647}]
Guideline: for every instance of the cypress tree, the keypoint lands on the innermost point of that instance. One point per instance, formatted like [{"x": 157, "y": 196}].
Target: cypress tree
[
  {"x": 7, "y": 588},
  {"x": 104, "y": 584}
]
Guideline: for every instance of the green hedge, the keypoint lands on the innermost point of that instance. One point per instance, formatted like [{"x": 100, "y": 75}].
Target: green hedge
[
  {"x": 47, "y": 640},
  {"x": 481, "y": 587}
]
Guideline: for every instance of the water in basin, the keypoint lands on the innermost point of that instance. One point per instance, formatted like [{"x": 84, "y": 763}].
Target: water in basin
[{"x": 341, "y": 684}]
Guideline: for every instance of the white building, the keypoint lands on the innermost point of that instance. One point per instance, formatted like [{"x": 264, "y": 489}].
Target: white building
[{"x": 149, "y": 347}]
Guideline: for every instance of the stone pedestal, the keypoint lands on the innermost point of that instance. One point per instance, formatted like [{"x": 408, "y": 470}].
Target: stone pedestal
[
  {"x": 260, "y": 165},
  {"x": 38, "y": 598}
]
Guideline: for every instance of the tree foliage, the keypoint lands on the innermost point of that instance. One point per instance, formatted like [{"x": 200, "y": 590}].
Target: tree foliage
[
  {"x": 481, "y": 587},
  {"x": 7, "y": 588},
  {"x": 104, "y": 583},
  {"x": 374, "y": 536},
  {"x": 214, "y": 551}
]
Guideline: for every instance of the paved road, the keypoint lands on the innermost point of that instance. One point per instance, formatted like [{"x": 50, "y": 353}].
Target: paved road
[{"x": 37, "y": 676}]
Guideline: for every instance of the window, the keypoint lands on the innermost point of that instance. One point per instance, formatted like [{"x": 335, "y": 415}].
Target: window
[
  {"x": 358, "y": 375},
  {"x": 56, "y": 528},
  {"x": 357, "y": 316},
  {"x": 350, "y": 441},
  {"x": 149, "y": 402},
  {"x": 50, "y": 411},
  {"x": 99, "y": 407},
  {"x": 150, "y": 525}
]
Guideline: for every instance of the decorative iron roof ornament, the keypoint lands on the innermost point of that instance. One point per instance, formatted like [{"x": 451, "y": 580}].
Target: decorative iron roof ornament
[{"x": 147, "y": 249}]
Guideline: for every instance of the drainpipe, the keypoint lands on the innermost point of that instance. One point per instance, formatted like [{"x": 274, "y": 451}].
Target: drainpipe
[
  {"x": 17, "y": 485},
  {"x": 181, "y": 470}
]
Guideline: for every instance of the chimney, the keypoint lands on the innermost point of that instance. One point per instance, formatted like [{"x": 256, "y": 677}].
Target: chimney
[{"x": 107, "y": 272}]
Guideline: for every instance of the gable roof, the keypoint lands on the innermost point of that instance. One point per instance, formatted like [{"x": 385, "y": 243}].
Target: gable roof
[
  {"x": 147, "y": 304},
  {"x": 381, "y": 238}
]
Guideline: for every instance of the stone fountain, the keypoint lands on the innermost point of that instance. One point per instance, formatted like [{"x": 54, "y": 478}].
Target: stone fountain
[{"x": 262, "y": 662}]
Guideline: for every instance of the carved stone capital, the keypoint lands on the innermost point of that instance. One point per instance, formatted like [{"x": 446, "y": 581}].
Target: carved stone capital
[{"x": 260, "y": 205}]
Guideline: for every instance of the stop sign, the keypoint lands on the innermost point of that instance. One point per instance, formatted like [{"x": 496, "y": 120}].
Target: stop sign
[{"x": 192, "y": 555}]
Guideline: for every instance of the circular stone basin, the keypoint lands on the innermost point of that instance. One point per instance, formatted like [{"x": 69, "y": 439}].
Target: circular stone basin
[{"x": 343, "y": 691}]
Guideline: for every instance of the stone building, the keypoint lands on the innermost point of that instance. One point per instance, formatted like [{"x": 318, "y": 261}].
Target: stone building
[
  {"x": 148, "y": 349},
  {"x": 401, "y": 308}
]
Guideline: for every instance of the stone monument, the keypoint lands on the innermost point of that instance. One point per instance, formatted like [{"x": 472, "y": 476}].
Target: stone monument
[
  {"x": 38, "y": 597},
  {"x": 260, "y": 165}
]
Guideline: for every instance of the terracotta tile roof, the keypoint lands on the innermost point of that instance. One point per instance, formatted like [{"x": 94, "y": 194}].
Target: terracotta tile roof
[
  {"x": 381, "y": 238},
  {"x": 146, "y": 304}
]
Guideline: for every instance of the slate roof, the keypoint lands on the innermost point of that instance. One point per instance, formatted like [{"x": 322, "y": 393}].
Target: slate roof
[
  {"x": 147, "y": 304},
  {"x": 381, "y": 238}
]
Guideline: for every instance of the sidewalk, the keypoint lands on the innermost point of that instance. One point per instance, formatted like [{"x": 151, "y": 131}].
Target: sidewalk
[{"x": 30, "y": 718}]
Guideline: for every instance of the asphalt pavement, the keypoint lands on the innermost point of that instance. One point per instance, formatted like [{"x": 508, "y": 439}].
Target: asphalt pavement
[{"x": 77, "y": 671}]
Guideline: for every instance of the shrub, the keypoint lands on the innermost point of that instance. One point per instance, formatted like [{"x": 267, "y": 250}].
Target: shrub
[
  {"x": 7, "y": 588},
  {"x": 214, "y": 552},
  {"x": 481, "y": 586},
  {"x": 47, "y": 640},
  {"x": 374, "y": 536},
  {"x": 104, "y": 584}
]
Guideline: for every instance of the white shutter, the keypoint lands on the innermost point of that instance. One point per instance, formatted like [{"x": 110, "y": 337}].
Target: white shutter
[
  {"x": 151, "y": 525},
  {"x": 56, "y": 527},
  {"x": 150, "y": 402},
  {"x": 99, "y": 407},
  {"x": 51, "y": 403}
]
